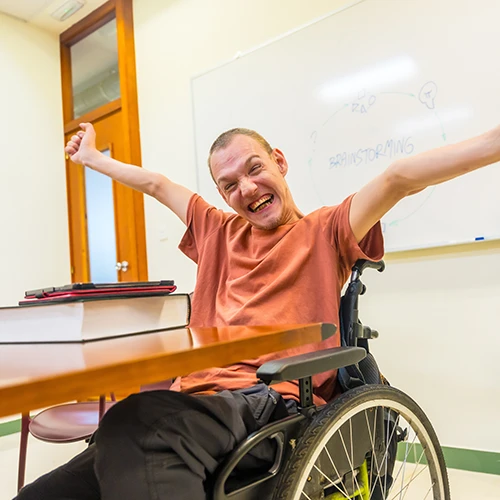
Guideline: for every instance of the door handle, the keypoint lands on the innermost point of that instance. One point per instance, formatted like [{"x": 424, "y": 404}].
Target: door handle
[{"x": 122, "y": 266}]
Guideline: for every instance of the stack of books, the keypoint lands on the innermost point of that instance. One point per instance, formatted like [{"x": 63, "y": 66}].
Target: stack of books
[{"x": 86, "y": 312}]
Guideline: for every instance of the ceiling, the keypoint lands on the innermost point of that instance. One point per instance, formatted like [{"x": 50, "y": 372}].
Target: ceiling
[{"x": 37, "y": 12}]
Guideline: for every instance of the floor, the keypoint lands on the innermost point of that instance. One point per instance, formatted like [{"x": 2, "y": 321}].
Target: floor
[{"x": 43, "y": 457}]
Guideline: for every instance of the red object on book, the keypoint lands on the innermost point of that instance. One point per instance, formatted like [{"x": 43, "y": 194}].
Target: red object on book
[{"x": 97, "y": 291}]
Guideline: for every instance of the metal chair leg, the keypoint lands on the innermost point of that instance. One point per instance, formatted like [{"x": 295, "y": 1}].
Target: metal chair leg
[
  {"x": 102, "y": 406},
  {"x": 23, "y": 447}
]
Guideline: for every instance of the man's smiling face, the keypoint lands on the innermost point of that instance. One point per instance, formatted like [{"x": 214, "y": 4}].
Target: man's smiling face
[{"x": 252, "y": 182}]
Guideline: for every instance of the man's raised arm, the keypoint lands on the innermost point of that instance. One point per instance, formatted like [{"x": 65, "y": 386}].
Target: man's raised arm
[
  {"x": 408, "y": 176},
  {"x": 82, "y": 150}
]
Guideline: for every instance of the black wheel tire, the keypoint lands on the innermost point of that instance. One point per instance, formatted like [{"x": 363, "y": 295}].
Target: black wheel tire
[{"x": 332, "y": 413}]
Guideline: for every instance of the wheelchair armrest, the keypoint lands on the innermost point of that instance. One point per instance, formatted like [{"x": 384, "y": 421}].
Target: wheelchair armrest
[{"x": 311, "y": 363}]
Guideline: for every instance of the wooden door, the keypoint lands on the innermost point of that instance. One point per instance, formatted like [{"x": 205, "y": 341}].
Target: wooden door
[{"x": 106, "y": 219}]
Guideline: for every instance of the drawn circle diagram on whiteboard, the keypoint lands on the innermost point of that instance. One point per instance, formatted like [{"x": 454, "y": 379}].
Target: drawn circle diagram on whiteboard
[{"x": 361, "y": 138}]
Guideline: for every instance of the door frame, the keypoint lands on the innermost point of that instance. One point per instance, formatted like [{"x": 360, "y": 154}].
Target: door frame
[
  {"x": 109, "y": 137},
  {"x": 123, "y": 12}
]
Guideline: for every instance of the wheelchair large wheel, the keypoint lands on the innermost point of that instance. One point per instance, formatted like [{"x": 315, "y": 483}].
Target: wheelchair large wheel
[{"x": 372, "y": 443}]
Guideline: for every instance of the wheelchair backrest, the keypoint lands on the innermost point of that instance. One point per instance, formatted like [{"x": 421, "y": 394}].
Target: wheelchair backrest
[{"x": 354, "y": 333}]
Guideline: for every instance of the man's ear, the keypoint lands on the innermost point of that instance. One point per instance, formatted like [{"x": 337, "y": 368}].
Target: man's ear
[{"x": 280, "y": 160}]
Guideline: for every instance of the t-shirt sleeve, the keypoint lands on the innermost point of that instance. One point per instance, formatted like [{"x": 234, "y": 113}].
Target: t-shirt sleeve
[
  {"x": 338, "y": 231},
  {"x": 202, "y": 220}
]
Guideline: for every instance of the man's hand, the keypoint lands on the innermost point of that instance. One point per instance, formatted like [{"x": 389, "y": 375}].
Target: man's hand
[
  {"x": 82, "y": 150},
  {"x": 81, "y": 147}
]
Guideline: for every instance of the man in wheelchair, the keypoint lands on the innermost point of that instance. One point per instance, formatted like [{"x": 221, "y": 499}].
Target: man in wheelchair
[{"x": 317, "y": 427}]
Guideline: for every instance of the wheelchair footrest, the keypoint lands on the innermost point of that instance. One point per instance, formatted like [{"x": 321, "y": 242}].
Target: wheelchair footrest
[{"x": 311, "y": 363}]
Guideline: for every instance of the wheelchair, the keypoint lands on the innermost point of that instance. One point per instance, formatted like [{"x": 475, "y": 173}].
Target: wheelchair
[{"x": 373, "y": 442}]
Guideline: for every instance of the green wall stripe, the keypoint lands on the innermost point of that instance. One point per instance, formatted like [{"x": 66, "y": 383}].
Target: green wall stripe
[
  {"x": 458, "y": 458},
  {"x": 11, "y": 427}
]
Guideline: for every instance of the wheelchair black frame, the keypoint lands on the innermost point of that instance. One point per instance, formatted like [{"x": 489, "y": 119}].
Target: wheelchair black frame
[{"x": 300, "y": 368}]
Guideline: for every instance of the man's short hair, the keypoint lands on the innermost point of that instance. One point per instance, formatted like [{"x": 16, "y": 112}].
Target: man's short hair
[{"x": 226, "y": 137}]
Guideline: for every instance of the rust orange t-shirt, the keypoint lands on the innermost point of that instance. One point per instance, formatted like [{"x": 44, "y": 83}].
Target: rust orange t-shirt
[{"x": 249, "y": 276}]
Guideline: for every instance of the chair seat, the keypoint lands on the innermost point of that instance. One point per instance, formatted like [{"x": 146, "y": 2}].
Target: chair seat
[{"x": 67, "y": 423}]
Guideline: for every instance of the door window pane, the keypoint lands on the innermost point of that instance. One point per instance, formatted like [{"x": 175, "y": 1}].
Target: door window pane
[
  {"x": 100, "y": 226},
  {"x": 94, "y": 70}
]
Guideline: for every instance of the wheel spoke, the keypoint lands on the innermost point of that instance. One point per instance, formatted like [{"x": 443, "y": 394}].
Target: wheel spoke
[
  {"x": 413, "y": 478},
  {"x": 350, "y": 461},
  {"x": 384, "y": 458},
  {"x": 402, "y": 468},
  {"x": 386, "y": 454},
  {"x": 372, "y": 441},
  {"x": 344, "y": 492},
  {"x": 429, "y": 490}
]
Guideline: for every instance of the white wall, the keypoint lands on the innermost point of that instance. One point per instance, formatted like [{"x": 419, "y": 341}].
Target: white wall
[
  {"x": 436, "y": 310},
  {"x": 174, "y": 41},
  {"x": 34, "y": 248}
]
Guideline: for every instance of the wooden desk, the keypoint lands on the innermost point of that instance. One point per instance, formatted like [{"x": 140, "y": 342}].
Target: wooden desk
[{"x": 37, "y": 375}]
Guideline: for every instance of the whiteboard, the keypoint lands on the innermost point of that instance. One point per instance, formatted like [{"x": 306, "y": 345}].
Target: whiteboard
[{"x": 348, "y": 94}]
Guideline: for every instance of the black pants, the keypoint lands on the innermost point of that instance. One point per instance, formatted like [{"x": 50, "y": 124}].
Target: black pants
[{"x": 163, "y": 445}]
